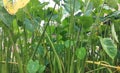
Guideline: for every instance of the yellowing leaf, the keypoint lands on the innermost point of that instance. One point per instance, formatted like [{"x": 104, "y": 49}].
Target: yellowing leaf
[
  {"x": 22, "y": 3},
  {"x": 13, "y": 7}
]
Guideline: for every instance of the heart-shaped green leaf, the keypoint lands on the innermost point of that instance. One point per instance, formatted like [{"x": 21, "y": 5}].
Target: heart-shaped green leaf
[
  {"x": 81, "y": 53},
  {"x": 41, "y": 68},
  {"x": 109, "y": 47},
  {"x": 33, "y": 66}
]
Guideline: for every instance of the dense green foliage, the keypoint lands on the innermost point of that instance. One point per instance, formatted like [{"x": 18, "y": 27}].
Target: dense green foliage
[{"x": 83, "y": 42}]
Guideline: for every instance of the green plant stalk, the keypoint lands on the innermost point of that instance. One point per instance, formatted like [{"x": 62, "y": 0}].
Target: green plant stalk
[
  {"x": 86, "y": 6},
  {"x": 34, "y": 52},
  {"x": 80, "y": 44},
  {"x": 4, "y": 68},
  {"x": 54, "y": 66},
  {"x": 1, "y": 51},
  {"x": 49, "y": 59},
  {"x": 69, "y": 60},
  {"x": 5, "y": 52},
  {"x": 23, "y": 52},
  {"x": 56, "y": 55},
  {"x": 20, "y": 41},
  {"x": 78, "y": 66},
  {"x": 71, "y": 24},
  {"x": 100, "y": 11},
  {"x": 25, "y": 37},
  {"x": 16, "y": 53},
  {"x": 95, "y": 26},
  {"x": 72, "y": 65},
  {"x": 77, "y": 46}
]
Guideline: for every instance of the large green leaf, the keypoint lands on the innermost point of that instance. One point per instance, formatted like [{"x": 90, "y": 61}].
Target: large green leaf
[
  {"x": 35, "y": 8},
  {"x": 28, "y": 25},
  {"x": 33, "y": 66},
  {"x": 81, "y": 53},
  {"x": 88, "y": 8},
  {"x": 85, "y": 21},
  {"x": 71, "y": 5},
  {"x": 109, "y": 47}
]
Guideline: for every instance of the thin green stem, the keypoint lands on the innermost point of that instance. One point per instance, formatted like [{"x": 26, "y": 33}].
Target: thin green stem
[
  {"x": 56, "y": 55},
  {"x": 17, "y": 56},
  {"x": 42, "y": 36}
]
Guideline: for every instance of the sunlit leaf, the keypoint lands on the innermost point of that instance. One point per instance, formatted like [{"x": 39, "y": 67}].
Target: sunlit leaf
[{"x": 13, "y": 6}]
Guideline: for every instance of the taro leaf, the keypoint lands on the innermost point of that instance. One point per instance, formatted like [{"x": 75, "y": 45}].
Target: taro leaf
[
  {"x": 114, "y": 33},
  {"x": 36, "y": 22},
  {"x": 72, "y": 4},
  {"x": 41, "y": 68},
  {"x": 88, "y": 9},
  {"x": 68, "y": 43},
  {"x": 81, "y": 53},
  {"x": 35, "y": 7},
  {"x": 50, "y": 11},
  {"x": 28, "y": 25},
  {"x": 40, "y": 50},
  {"x": 59, "y": 48},
  {"x": 86, "y": 21},
  {"x": 109, "y": 47},
  {"x": 33, "y": 66}
]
